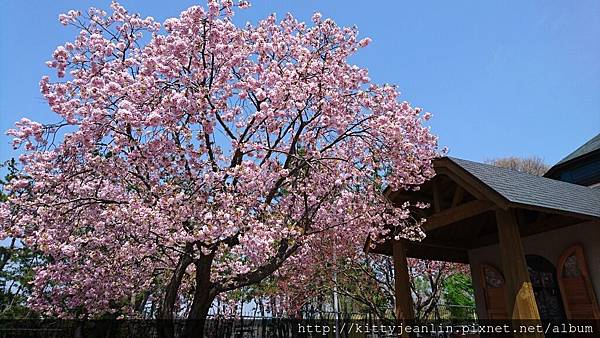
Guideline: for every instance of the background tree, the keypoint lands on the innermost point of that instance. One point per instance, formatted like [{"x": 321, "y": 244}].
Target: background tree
[
  {"x": 196, "y": 160},
  {"x": 429, "y": 284},
  {"x": 458, "y": 290},
  {"x": 365, "y": 284},
  {"x": 531, "y": 165},
  {"x": 17, "y": 264}
]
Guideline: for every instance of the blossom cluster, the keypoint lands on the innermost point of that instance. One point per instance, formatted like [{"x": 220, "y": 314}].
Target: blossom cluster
[{"x": 199, "y": 138}]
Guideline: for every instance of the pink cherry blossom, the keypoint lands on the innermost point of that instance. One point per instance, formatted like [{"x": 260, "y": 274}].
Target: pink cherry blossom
[
  {"x": 364, "y": 42},
  {"x": 193, "y": 161}
]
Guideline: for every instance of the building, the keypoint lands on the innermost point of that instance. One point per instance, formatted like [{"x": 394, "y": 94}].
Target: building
[{"x": 532, "y": 243}]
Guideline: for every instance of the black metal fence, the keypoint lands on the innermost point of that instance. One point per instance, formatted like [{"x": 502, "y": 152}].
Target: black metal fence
[
  {"x": 452, "y": 312},
  {"x": 313, "y": 324}
]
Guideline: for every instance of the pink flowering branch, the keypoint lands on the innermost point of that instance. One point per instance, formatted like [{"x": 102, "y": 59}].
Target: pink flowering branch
[{"x": 197, "y": 157}]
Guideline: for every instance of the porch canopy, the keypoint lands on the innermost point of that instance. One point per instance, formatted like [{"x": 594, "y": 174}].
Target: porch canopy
[{"x": 475, "y": 205}]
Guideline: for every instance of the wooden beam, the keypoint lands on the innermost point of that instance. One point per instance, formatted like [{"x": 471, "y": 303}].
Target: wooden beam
[
  {"x": 403, "y": 307},
  {"x": 485, "y": 240},
  {"x": 459, "y": 193},
  {"x": 553, "y": 211},
  {"x": 463, "y": 211},
  {"x": 436, "y": 196},
  {"x": 543, "y": 224},
  {"x": 520, "y": 299},
  {"x": 402, "y": 196},
  {"x": 460, "y": 181},
  {"x": 548, "y": 224},
  {"x": 437, "y": 253},
  {"x": 470, "y": 183}
]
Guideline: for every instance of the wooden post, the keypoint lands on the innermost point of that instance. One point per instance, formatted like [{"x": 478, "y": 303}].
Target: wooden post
[
  {"x": 520, "y": 299},
  {"x": 403, "y": 307}
]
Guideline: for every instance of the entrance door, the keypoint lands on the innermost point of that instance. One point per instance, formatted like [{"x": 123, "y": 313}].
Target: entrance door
[{"x": 545, "y": 287}]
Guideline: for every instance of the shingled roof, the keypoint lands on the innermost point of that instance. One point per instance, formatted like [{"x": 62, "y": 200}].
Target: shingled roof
[
  {"x": 588, "y": 147},
  {"x": 525, "y": 189}
]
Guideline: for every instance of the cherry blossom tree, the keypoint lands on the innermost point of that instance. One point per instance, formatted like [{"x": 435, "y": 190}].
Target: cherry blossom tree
[
  {"x": 365, "y": 283},
  {"x": 427, "y": 284},
  {"x": 196, "y": 157}
]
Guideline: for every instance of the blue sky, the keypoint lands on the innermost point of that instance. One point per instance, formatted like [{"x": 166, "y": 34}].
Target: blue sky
[{"x": 501, "y": 77}]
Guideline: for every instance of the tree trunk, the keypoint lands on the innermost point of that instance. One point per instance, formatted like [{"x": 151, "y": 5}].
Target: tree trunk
[
  {"x": 204, "y": 295},
  {"x": 166, "y": 309}
]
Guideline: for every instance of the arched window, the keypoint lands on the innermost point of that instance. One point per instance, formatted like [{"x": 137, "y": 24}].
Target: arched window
[
  {"x": 493, "y": 288},
  {"x": 575, "y": 285},
  {"x": 545, "y": 287}
]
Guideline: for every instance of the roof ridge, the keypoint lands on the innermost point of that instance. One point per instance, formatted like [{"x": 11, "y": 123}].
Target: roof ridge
[
  {"x": 526, "y": 189},
  {"x": 523, "y": 173},
  {"x": 581, "y": 150}
]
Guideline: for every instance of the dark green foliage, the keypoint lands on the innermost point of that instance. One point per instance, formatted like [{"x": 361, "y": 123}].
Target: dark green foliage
[
  {"x": 458, "y": 290},
  {"x": 17, "y": 263},
  {"x": 16, "y": 272}
]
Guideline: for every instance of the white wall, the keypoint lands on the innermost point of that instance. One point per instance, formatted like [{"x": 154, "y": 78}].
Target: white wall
[{"x": 549, "y": 245}]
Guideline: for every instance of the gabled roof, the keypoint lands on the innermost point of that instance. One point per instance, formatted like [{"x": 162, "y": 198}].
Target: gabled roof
[
  {"x": 523, "y": 189},
  {"x": 586, "y": 151},
  {"x": 586, "y": 148}
]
